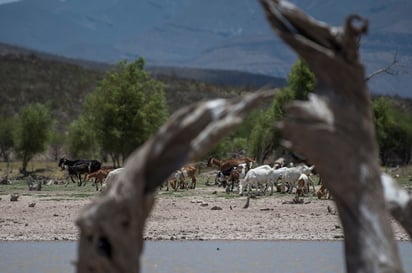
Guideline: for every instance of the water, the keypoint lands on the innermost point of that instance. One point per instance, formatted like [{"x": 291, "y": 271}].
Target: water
[
  {"x": 243, "y": 256},
  {"x": 195, "y": 256}
]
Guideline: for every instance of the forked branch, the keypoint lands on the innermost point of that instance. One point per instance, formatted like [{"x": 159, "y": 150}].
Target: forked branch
[
  {"x": 335, "y": 131},
  {"x": 387, "y": 69},
  {"x": 111, "y": 228}
]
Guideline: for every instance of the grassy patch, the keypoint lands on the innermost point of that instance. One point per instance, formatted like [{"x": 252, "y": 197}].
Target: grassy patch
[{"x": 49, "y": 170}]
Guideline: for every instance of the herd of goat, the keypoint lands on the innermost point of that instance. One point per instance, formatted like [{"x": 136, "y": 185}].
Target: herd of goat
[
  {"x": 241, "y": 173},
  {"x": 231, "y": 173}
]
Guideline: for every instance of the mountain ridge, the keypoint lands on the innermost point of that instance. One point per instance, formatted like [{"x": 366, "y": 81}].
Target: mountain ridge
[
  {"x": 194, "y": 33},
  {"x": 63, "y": 84}
]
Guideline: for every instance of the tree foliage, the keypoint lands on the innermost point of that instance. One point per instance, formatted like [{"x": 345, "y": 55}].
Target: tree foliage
[
  {"x": 125, "y": 109},
  {"x": 32, "y": 132},
  {"x": 394, "y": 132},
  {"x": 260, "y": 140},
  {"x": 301, "y": 80},
  {"x": 81, "y": 141},
  {"x": 265, "y": 138},
  {"x": 7, "y": 127},
  {"x": 56, "y": 144}
]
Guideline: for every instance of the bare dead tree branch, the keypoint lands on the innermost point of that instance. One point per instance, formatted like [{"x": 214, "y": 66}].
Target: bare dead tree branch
[
  {"x": 335, "y": 131},
  {"x": 387, "y": 69},
  {"x": 111, "y": 228}
]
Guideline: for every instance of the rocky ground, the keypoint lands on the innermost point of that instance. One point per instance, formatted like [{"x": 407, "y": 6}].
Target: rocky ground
[{"x": 200, "y": 215}]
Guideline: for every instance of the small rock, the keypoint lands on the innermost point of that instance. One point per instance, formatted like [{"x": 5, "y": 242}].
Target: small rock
[
  {"x": 31, "y": 205},
  {"x": 216, "y": 208},
  {"x": 14, "y": 196},
  {"x": 204, "y": 204},
  {"x": 247, "y": 203},
  {"x": 298, "y": 200}
]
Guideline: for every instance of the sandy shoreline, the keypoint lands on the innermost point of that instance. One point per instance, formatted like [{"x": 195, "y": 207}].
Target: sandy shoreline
[{"x": 199, "y": 216}]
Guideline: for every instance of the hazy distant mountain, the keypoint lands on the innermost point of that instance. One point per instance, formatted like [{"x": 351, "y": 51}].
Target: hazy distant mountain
[{"x": 230, "y": 34}]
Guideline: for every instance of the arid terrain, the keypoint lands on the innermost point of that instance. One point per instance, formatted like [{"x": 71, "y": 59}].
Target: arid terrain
[{"x": 200, "y": 214}]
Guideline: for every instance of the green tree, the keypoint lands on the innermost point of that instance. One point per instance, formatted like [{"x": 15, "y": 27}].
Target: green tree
[
  {"x": 7, "y": 127},
  {"x": 125, "y": 109},
  {"x": 404, "y": 120},
  {"x": 265, "y": 138},
  {"x": 221, "y": 150},
  {"x": 81, "y": 141},
  {"x": 56, "y": 144},
  {"x": 260, "y": 139},
  {"x": 301, "y": 80},
  {"x": 32, "y": 132},
  {"x": 393, "y": 132},
  {"x": 382, "y": 119},
  {"x": 396, "y": 148}
]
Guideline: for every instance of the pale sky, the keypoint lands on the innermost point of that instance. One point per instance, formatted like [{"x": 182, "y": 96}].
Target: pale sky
[{"x": 8, "y": 1}]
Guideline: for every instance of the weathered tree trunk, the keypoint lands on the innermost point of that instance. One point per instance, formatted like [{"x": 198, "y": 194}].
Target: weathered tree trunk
[
  {"x": 335, "y": 131},
  {"x": 111, "y": 228}
]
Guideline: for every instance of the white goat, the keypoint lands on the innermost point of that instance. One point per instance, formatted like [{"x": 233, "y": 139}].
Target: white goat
[
  {"x": 291, "y": 175},
  {"x": 262, "y": 175},
  {"x": 111, "y": 177}
]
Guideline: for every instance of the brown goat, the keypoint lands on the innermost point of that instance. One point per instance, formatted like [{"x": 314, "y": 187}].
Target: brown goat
[{"x": 99, "y": 176}]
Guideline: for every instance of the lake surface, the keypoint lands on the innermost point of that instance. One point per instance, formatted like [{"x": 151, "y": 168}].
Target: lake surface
[{"x": 195, "y": 256}]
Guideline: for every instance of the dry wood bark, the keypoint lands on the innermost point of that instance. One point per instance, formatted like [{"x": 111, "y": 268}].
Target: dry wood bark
[
  {"x": 335, "y": 131},
  {"x": 111, "y": 228}
]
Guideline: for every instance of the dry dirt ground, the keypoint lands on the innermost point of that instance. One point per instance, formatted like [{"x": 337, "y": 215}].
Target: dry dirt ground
[{"x": 202, "y": 215}]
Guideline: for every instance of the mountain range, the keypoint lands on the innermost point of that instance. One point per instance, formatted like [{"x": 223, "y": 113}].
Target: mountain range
[{"x": 214, "y": 34}]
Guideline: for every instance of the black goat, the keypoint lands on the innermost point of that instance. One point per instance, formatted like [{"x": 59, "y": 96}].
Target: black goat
[
  {"x": 64, "y": 162},
  {"x": 77, "y": 171},
  {"x": 78, "y": 167}
]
